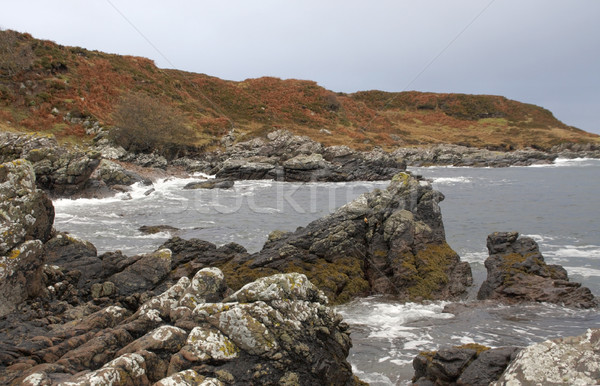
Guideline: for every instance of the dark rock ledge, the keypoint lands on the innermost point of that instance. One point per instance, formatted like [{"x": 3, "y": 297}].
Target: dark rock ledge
[{"x": 517, "y": 273}]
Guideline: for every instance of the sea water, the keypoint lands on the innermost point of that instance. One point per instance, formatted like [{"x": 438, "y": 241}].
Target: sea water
[{"x": 557, "y": 205}]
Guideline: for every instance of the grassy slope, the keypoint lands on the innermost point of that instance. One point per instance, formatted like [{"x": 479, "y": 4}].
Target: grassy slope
[{"x": 88, "y": 84}]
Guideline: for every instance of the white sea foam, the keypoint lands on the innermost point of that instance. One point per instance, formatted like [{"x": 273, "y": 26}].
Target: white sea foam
[
  {"x": 571, "y": 251},
  {"x": 451, "y": 180},
  {"x": 540, "y": 238},
  {"x": 583, "y": 271},
  {"x": 474, "y": 257},
  {"x": 568, "y": 162},
  {"x": 390, "y": 320}
]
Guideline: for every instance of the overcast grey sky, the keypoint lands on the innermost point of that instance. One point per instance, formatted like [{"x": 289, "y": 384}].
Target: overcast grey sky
[{"x": 545, "y": 52}]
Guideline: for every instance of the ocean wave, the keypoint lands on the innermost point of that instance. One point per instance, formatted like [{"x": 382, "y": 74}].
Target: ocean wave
[
  {"x": 568, "y": 162},
  {"x": 451, "y": 180},
  {"x": 391, "y": 320},
  {"x": 474, "y": 257},
  {"x": 572, "y": 251},
  {"x": 583, "y": 271}
]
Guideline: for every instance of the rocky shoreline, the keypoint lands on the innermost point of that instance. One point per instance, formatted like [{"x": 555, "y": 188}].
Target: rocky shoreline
[
  {"x": 102, "y": 170},
  {"x": 192, "y": 312}
]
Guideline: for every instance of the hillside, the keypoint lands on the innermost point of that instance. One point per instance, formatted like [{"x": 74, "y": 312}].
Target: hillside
[{"x": 50, "y": 88}]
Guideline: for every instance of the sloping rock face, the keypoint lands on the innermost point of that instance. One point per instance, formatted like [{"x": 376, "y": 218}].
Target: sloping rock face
[
  {"x": 58, "y": 171},
  {"x": 287, "y": 157},
  {"x": 390, "y": 241},
  {"x": 277, "y": 330},
  {"x": 471, "y": 365},
  {"x": 563, "y": 361},
  {"x": 517, "y": 272},
  {"x": 26, "y": 217}
]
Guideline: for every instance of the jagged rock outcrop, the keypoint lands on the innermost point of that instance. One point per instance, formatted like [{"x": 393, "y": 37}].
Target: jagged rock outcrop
[
  {"x": 58, "y": 171},
  {"x": 287, "y": 157},
  {"x": 390, "y": 241},
  {"x": 471, "y": 364},
  {"x": 577, "y": 150},
  {"x": 455, "y": 155},
  {"x": 517, "y": 272},
  {"x": 277, "y": 330},
  {"x": 26, "y": 217},
  {"x": 563, "y": 361}
]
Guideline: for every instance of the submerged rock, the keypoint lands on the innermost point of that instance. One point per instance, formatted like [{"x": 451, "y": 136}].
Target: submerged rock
[
  {"x": 389, "y": 241},
  {"x": 517, "y": 272},
  {"x": 217, "y": 183},
  {"x": 563, "y": 361},
  {"x": 153, "y": 229}
]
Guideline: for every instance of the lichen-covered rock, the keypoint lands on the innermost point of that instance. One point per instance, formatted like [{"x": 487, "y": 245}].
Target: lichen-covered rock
[
  {"x": 112, "y": 173},
  {"x": 188, "y": 378},
  {"x": 389, "y": 241},
  {"x": 262, "y": 334},
  {"x": 517, "y": 272},
  {"x": 60, "y": 171},
  {"x": 26, "y": 217},
  {"x": 563, "y": 361}
]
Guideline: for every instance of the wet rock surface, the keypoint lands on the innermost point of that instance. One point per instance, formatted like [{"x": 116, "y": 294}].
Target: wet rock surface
[
  {"x": 517, "y": 272},
  {"x": 217, "y": 183},
  {"x": 463, "y": 365}
]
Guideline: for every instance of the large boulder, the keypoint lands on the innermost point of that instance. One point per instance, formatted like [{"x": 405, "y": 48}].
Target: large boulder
[
  {"x": 277, "y": 330},
  {"x": 26, "y": 217},
  {"x": 517, "y": 272},
  {"x": 470, "y": 364},
  {"x": 563, "y": 361},
  {"x": 390, "y": 241}
]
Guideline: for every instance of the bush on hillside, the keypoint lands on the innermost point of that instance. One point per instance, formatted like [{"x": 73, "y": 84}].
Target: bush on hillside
[{"x": 145, "y": 125}]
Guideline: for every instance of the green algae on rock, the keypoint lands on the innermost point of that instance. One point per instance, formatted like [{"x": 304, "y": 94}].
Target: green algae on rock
[{"x": 389, "y": 241}]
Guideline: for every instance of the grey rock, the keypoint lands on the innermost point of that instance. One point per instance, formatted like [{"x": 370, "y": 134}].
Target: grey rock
[
  {"x": 26, "y": 216},
  {"x": 474, "y": 365},
  {"x": 563, "y": 361},
  {"x": 149, "y": 270},
  {"x": 59, "y": 171},
  {"x": 455, "y": 155},
  {"x": 217, "y": 183},
  {"x": 488, "y": 367}
]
